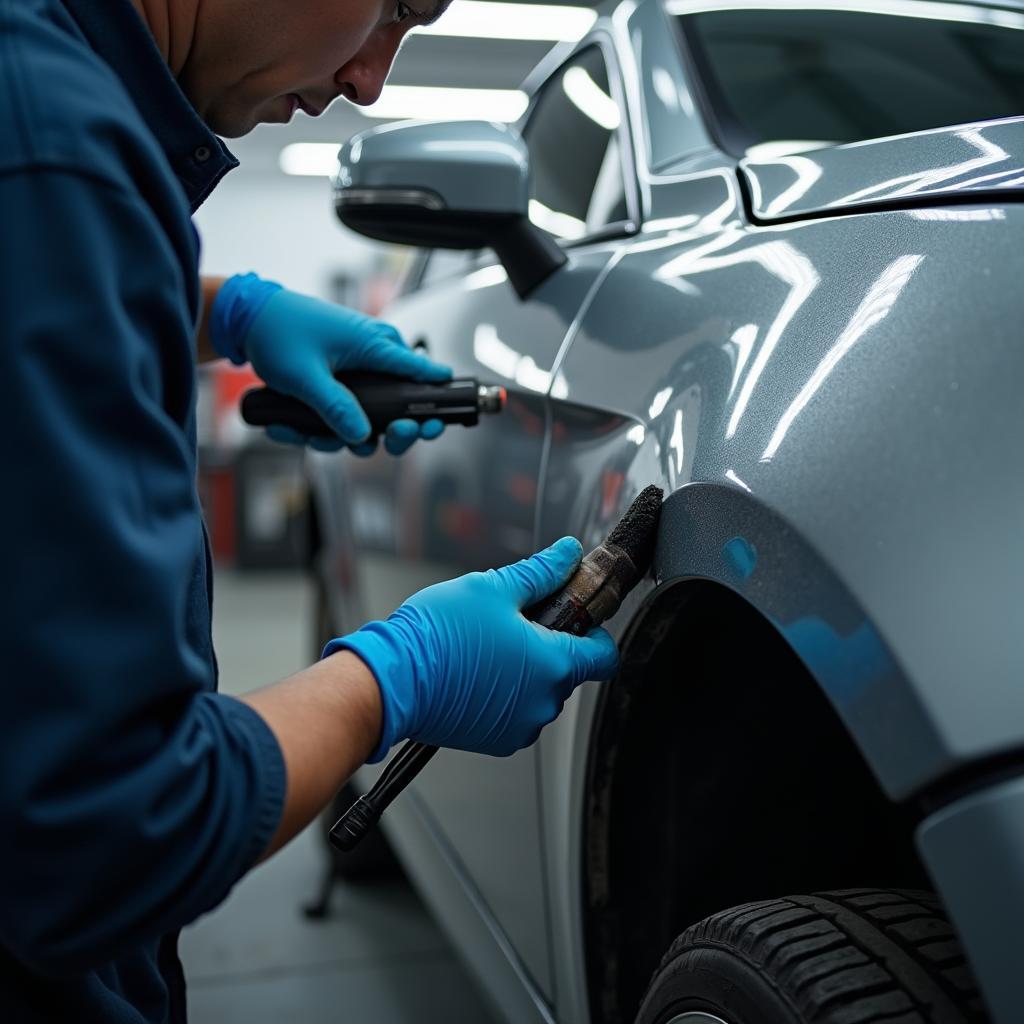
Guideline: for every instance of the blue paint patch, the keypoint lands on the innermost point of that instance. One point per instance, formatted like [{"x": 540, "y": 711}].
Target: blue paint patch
[
  {"x": 740, "y": 556},
  {"x": 848, "y": 666}
]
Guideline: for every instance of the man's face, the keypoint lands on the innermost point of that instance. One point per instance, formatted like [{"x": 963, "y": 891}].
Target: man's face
[{"x": 255, "y": 61}]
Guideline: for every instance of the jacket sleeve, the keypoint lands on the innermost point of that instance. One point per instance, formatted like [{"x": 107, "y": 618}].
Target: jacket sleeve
[{"x": 132, "y": 797}]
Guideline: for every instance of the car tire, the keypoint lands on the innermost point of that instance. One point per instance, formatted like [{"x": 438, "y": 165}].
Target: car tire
[{"x": 856, "y": 956}]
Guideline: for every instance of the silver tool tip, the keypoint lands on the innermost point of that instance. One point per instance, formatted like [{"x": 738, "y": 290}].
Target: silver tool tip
[{"x": 491, "y": 399}]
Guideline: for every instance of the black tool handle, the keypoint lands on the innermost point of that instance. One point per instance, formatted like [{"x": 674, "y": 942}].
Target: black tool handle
[
  {"x": 384, "y": 399},
  {"x": 560, "y": 611},
  {"x": 350, "y": 828}
]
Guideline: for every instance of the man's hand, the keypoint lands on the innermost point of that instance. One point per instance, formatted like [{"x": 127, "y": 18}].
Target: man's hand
[
  {"x": 296, "y": 343},
  {"x": 458, "y": 665}
]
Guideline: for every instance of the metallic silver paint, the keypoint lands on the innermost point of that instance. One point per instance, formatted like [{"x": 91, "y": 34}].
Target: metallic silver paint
[
  {"x": 472, "y": 165},
  {"x": 451, "y": 895},
  {"x": 670, "y": 125},
  {"x": 833, "y": 405},
  {"x": 816, "y": 373},
  {"x": 984, "y": 161}
]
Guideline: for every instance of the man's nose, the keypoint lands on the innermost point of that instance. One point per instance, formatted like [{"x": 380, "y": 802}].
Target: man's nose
[{"x": 362, "y": 78}]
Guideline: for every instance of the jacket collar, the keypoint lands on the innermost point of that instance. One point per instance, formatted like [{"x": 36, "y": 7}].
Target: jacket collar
[{"x": 115, "y": 31}]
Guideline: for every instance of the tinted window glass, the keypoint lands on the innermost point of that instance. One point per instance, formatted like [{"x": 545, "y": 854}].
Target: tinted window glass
[
  {"x": 841, "y": 76},
  {"x": 575, "y": 161}
]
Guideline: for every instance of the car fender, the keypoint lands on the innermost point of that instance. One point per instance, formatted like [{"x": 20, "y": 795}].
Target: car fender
[{"x": 833, "y": 410}]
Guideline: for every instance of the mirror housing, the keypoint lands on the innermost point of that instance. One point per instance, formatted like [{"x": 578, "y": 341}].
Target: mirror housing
[{"x": 447, "y": 185}]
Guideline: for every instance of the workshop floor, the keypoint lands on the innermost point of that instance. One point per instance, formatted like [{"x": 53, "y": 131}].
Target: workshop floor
[{"x": 380, "y": 958}]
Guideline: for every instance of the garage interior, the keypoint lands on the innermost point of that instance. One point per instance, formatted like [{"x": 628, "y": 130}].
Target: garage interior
[{"x": 759, "y": 258}]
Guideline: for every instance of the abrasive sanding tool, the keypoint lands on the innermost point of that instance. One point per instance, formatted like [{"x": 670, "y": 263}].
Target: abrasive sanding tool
[
  {"x": 591, "y": 596},
  {"x": 384, "y": 399}
]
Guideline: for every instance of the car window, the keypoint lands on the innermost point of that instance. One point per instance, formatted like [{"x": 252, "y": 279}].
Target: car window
[
  {"x": 835, "y": 75},
  {"x": 577, "y": 183}
]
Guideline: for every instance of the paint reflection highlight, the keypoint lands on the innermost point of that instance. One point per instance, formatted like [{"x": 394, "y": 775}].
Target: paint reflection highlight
[{"x": 873, "y": 309}]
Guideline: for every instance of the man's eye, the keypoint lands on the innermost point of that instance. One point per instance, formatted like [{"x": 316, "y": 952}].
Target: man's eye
[{"x": 402, "y": 13}]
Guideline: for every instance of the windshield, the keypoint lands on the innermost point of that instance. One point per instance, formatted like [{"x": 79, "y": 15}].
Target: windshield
[{"x": 792, "y": 74}]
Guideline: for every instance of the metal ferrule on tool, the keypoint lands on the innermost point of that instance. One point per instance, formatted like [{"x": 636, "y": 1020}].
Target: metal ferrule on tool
[{"x": 593, "y": 595}]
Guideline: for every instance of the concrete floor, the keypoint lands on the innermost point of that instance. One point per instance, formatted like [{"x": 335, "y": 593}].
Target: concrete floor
[{"x": 380, "y": 958}]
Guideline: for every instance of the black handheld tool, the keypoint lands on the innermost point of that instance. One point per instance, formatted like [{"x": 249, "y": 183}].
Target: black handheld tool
[
  {"x": 384, "y": 398},
  {"x": 594, "y": 594}
]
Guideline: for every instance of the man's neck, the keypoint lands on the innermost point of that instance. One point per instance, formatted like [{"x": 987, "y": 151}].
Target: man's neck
[{"x": 172, "y": 25}]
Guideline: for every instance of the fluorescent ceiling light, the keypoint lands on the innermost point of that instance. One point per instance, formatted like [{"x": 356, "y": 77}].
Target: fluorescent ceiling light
[
  {"x": 315, "y": 159},
  {"x": 430, "y": 103},
  {"x": 477, "y": 19},
  {"x": 589, "y": 98}
]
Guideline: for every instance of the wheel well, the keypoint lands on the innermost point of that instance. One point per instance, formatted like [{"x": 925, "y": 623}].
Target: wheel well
[{"x": 718, "y": 774}]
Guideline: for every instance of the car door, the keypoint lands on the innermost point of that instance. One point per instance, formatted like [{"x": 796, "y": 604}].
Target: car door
[{"x": 468, "y": 502}]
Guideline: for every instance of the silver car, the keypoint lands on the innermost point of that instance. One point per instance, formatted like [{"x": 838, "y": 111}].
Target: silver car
[{"x": 766, "y": 256}]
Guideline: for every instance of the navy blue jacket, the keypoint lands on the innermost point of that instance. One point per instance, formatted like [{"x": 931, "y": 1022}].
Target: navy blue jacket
[{"x": 132, "y": 795}]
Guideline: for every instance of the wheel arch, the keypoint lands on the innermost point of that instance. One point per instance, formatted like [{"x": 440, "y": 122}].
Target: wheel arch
[
  {"x": 738, "y": 712},
  {"x": 725, "y": 535}
]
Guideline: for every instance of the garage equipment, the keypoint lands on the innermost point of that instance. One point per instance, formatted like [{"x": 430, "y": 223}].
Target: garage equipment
[
  {"x": 594, "y": 594},
  {"x": 384, "y": 399}
]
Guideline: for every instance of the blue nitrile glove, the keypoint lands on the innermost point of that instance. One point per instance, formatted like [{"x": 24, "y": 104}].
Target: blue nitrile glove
[
  {"x": 459, "y": 666},
  {"x": 295, "y": 343}
]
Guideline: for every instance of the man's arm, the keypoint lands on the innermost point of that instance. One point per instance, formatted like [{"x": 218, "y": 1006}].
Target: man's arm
[
  {"x": 457, "y": 665},
  {"x": 132, "y": 796},
  {"x": 205, "y": 352},
  {"x": 327, "y": 721}
]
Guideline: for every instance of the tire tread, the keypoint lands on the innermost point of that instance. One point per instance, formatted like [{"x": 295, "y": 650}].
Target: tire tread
[{"x": 850, "y": 956}]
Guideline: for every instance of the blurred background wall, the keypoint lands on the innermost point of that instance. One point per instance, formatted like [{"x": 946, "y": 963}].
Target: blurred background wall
[{"x": 283, "y": 228}]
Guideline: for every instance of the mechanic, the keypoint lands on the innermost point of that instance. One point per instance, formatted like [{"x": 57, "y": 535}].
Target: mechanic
[{"x": 132, "y": 795}]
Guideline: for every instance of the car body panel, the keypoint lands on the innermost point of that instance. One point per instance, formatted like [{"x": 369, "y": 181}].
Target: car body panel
[
  {"x": 973, "y": 849},
  {"x": 762, "y": 525},
  {"x": 669, "y": 127},
  {"x": 831, "y": 405},
  {"x": 440, "y": 876},
  {"x": 971, "y": 162},
  {"x": 776, "y": 339}
]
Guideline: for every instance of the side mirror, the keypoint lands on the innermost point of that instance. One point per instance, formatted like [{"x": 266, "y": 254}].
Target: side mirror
[{"x": 447, "y": 185}]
